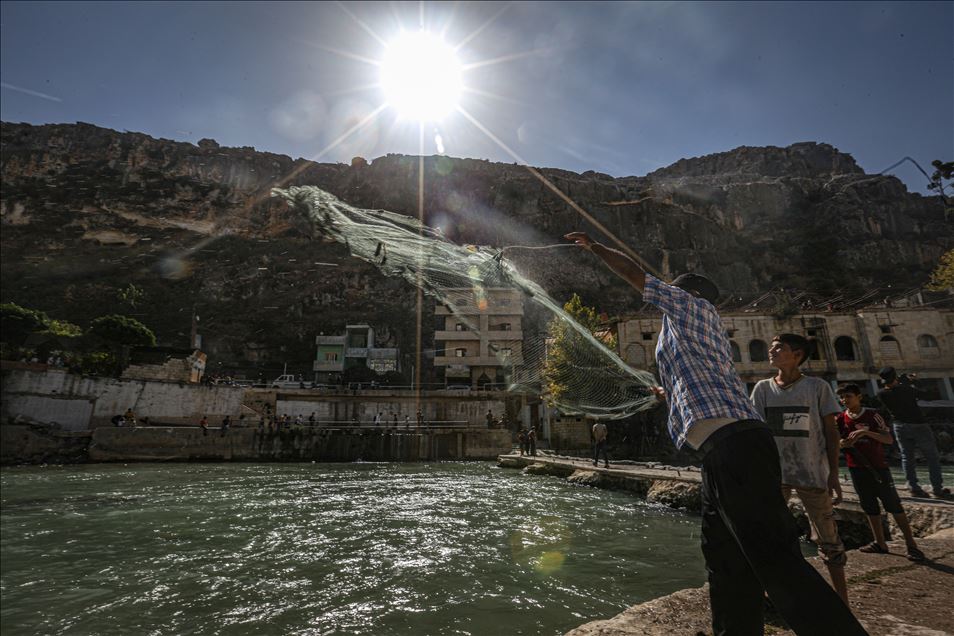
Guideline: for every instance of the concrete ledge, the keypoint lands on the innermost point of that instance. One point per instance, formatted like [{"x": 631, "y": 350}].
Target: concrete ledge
[
  {"x": 679, "y": 487},
  {"x": 888, "y": 594}
]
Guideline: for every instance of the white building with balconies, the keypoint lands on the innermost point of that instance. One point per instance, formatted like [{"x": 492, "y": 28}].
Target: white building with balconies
[{"x": 479, "y": 337}]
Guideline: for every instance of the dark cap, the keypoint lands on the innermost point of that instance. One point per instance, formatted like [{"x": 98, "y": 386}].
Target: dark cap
[
  {"x": 699, "y": 285},
  {"x": 888, "y": 374}
]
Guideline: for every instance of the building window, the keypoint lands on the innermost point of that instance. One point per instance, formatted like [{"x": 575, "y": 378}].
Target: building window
[
  {"x": 845, "y": 348},
  {"x": 331, "y": 356},
  {"x": 504, "y": 326},
  {"x": 647, "y": 335},
  {"x": 927, "y": 346},
  {"x": 814, "y": 350},
  {"x": 885, "y": 328},
  {"x": 382, "y": 365},
  {"x": 758, "y": 351},
  {"x": 460, "y": 327},
  {"x": 460, "y": 353},
  {"x": 889, "y": 347},
  {"x": 736, "y": 353}
]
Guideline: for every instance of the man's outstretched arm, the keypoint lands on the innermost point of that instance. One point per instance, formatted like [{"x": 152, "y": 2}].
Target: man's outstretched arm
[{"x": 625, "y": 267}]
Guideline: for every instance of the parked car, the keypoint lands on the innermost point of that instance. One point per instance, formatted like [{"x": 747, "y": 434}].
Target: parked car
[{"x": 287, "y": 381}]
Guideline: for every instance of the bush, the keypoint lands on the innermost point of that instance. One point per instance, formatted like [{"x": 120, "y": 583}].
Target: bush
[
  {"x": 16, "y": 322},
  {"x": 122, "y": 330}
]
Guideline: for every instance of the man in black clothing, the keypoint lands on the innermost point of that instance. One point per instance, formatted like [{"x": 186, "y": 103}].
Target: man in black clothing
[{"x": 911, "y": 431}]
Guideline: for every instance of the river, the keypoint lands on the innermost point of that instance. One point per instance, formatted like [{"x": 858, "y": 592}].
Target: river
[{"x": 360, "y": 548}]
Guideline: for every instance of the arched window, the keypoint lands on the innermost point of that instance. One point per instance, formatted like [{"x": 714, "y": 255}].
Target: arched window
[
  {"x": 736, "y": 354},
  {"x": 845, "y": 348},
  {"x": 927, "y": 346},
  {"x": 636, "y": 356},
  {"x": 889, "y": 347},
  {"x": 758, "y": 351}
]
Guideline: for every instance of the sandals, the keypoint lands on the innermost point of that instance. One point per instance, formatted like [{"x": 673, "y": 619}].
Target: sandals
[
  {"x": 874, "y": 548},
  {"x": 915, "y": 554}
]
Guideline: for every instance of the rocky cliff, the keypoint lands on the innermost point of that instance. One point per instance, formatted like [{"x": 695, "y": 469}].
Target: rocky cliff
[{"x": 86, "y": 211}]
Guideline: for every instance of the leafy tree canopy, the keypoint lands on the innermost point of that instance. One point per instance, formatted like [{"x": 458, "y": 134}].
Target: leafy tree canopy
[
  {"x": 567, "y": 348},
  {"x": 122, "y": 330},
  {"x": 16, "y": 322},
  {"x": 943, "y": 277}
]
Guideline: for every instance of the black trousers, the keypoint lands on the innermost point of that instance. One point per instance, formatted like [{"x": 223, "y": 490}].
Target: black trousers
[
  {"x": 750, "y": 543},
  {"x": 600, "y": 449}
]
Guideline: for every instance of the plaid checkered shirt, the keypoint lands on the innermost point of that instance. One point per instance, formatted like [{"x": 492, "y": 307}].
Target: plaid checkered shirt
[{"x": 694, "y": 362}]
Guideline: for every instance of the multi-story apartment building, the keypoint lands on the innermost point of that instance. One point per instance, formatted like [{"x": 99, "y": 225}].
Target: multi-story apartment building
[
  {"x": 356, "y": 347},
  {"x": 849, "y": 346},
  {"x": 480, "y": 338}
]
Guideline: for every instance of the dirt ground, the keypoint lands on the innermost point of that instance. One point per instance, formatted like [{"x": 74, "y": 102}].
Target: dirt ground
[{"x": 890, "y": 595}]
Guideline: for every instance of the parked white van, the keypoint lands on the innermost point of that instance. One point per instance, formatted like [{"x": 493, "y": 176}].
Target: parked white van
[{"x": 287, "y": 381}]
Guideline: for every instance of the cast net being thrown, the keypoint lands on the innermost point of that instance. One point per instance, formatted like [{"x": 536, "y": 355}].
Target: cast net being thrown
[{"x": 552, "y": 354}]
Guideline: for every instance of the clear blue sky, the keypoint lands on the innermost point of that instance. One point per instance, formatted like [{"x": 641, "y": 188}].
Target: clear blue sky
[{"x": 617, "y": 87}]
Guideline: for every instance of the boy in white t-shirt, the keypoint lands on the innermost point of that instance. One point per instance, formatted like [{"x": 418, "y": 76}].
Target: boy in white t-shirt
[{"x": 800, "y": 410}]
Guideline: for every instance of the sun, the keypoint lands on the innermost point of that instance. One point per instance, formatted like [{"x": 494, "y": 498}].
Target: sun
[{"x": 421, "y": 76}]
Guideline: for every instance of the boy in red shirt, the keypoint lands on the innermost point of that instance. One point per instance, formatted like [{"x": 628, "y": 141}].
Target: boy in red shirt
[{"x": 863, "y": 436}]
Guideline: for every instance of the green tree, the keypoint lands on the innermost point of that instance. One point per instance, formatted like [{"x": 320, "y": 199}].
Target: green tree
[
  {"x": 64, "y": 328},
  {"x": 943, "y": 277},
  {"x": 131, "y": 295},
  {"x": 16, "y": 322},
  {"x": 569, "y": 352},
  {"x": 122, "y": 331}
]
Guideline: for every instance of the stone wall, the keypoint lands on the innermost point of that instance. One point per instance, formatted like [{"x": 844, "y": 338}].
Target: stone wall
[
  {"x": 297, "y": 444},
  {"x": 79, "y": 402},
  {"x": 568, "y": 433}
]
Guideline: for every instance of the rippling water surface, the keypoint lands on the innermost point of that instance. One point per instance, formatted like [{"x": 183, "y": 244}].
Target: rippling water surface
[{"x": 442, "y": 548}]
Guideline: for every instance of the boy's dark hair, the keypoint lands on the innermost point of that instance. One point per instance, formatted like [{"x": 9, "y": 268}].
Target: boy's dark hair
[
  {"x": 888, "y": 374},
  {"x": 698, "y": 285},
  {"x": 849, "y": 388},
  {"x": 795, "y": 342}
]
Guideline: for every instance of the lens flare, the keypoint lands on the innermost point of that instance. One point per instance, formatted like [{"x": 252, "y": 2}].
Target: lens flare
[{"x": 421, "y": 76}]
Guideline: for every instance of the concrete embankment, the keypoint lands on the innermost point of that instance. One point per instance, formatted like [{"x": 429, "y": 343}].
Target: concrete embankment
[
  {"x": 31, "y": 444},
  {"x": 681, "y": 488},
  {"x": 888, "y": 593}
]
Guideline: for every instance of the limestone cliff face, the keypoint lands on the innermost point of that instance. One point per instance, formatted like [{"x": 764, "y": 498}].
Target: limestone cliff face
[{"x": 87, "y": 211}]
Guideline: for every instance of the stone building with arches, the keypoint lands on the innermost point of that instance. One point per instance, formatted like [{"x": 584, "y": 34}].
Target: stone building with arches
[{"x": 848, "y": 346}]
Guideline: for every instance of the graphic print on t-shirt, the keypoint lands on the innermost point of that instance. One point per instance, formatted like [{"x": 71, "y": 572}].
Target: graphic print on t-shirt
[{"x": 788, "y": 421}]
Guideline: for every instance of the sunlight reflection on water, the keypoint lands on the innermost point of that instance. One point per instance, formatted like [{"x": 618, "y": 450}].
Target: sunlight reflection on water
[{"x": 448, "y": 548}]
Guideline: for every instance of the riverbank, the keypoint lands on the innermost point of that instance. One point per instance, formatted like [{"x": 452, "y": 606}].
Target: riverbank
[
  {"x": 889, "y": 595},
  {"x": 24, "y": 444},
  {"x": 680, "y": 487},
  {"x": 921, "y": 595}
]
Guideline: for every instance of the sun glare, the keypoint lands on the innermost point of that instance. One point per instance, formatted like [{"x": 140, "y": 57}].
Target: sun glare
[{"x": 421, "y": 76}]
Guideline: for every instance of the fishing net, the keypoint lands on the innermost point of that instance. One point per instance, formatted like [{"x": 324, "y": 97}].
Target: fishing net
[{"x": 551, "y": 354}]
